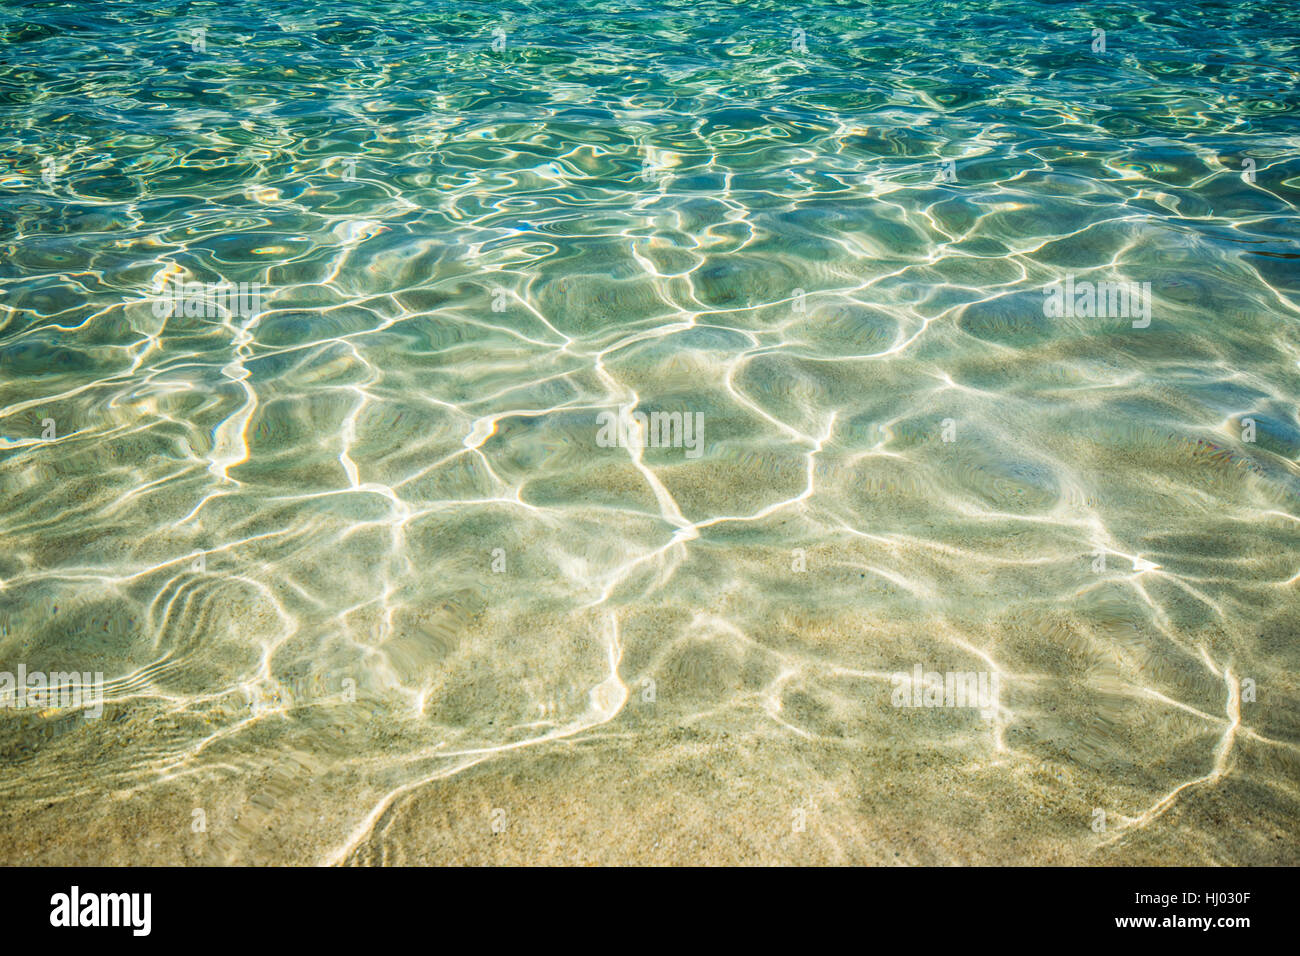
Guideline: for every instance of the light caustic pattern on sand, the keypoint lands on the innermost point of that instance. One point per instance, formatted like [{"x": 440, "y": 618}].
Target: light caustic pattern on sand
[{"x": 361, "y": 544}]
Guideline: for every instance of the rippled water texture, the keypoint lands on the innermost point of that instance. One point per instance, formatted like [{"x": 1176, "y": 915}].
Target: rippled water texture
[{"x": 368, "y": 583}]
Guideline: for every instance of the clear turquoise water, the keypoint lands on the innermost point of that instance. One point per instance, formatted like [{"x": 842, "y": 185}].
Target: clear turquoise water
[{"x": 359, "y": 569}]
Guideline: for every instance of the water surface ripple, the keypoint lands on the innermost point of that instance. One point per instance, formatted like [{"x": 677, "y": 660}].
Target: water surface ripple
[{"x": 363, "y": 578}]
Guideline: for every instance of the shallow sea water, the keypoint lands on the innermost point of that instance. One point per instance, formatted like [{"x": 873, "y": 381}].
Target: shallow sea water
[{"x": 367, "y": 583}]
